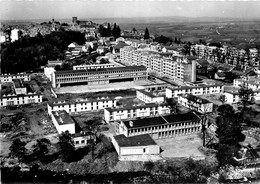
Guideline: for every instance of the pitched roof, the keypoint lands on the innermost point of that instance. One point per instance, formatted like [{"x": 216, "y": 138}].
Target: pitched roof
[{"x": 138, "y": 140}]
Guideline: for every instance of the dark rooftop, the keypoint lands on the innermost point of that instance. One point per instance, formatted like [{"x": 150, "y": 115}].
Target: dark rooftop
[
  {"x": 18, "y": 83},
  {"x": 170, "y": 119},
  {"x": 62, "y": 117},
  {"x": 138, "y": 140},
  {"x": 102, "y": 70}
]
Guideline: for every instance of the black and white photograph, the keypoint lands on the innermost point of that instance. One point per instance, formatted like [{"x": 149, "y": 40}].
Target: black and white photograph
[{"x": 129, "y": 91}]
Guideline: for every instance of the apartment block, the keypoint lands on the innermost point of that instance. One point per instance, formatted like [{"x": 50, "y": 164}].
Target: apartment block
[
  {"x": 131, "y": 112},
  {"x": 10, "y": 77},
  {"x": 149, "y": 97}
]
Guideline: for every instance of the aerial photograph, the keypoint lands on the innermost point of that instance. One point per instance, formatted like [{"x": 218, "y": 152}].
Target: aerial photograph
[{"x": 129, "y": 91}]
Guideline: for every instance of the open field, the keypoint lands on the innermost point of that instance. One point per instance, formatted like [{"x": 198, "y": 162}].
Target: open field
[{"x": 182, "y": 146}]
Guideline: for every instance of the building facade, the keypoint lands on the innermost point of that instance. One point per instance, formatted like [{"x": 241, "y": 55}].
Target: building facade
[
  {"x": 81, "y": 105},
  {"x": 131, "y": 112},
  {"x": 176, "y": 68},
  {"x": 21, "y": 99},
  {"x": 195, "y": 103},
  {"x": 89, "y": 67},
  {"x": 10, "y": 77},
  {"x": 162, "y": 126},
  {"x": 194, "y": 90},
  {"x": 135, "y": 146},
  {"x": 149, "y": 97},
  {"x": 98, "y": 76}
]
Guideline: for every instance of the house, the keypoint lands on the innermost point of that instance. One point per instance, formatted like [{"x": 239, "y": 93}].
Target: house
[
  {"x": 135, "y": 111},
  {"x": 195, "y": 103},
  {"x": 138, "y": 145},
  {"x": 63, "y": 122},
  {"x": 149, "y": 97},
  {"x": 161, "y": 127}
]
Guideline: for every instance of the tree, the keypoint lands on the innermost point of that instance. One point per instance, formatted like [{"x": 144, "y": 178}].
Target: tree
[
  {"x": 245, "y": 95},
  {"x": 93, "y": 127},
  {"x": 172, "y": 104},
  {"x": 66, "y": 146},
  {"x": 40, "y": 149},
  {"x": 17, "y": 149},
  {"x": 223, "y": 99},
  {"x": 229, "y": 133},
  {"x": 146, "y": 34}
]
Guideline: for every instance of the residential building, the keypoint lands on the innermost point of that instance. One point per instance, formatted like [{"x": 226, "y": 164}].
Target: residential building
[
  {"x": 161, "y": 127},
  {"x": 149, "y": 97},
  {"x": 82, "y": 139},
  {"x": 195, "y": 103},
  {"x": 98, "y": 76},
  {"x": 173, "y": 92},
  {"x": 174, "y": 67},
  {"x": 252, "y": 83},
  {"x": 15, "y": 34},
  {"x": 232, "y": 95},
  {"x": 138, "y": 145},
  {"x": 10, "y": 77},
  {"x": 81, "y": 105},
  {"x": 136, "y": 111}
]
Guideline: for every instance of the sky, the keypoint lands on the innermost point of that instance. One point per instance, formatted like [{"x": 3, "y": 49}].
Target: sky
[{"x": 58, "y": 9}]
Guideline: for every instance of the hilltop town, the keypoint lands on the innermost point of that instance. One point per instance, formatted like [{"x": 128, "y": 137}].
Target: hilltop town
[{"x": 82, "y": 99}]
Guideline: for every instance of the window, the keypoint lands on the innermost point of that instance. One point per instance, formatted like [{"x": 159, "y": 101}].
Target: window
[
  {"x": 144, "y": 150},
  {"x": 76, "y": 142},
  {"x": 82, "y": 141}
]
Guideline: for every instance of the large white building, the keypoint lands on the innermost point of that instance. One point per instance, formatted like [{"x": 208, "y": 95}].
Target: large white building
[
  {"x": 97, "y": 76},
  {"x": 252, "y": 83},
  {"x": 176, "y": 68},
  {"x": 173, "y": 92},
  {"x": 131, "y": 112},
  {"x": 82, "y": 105},
  {"x": 161, "y": 127}
]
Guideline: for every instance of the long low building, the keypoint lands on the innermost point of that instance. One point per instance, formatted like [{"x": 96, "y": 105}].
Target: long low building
[
  {"x": 130, "y": 112},
  {"x": 11, "y": 77},
  {"x": 81, "y": 105},
  {"x": 97, "y": 76},
  {"x": 162, "y": 126},
  {"x": 172, "y": 92},
  {"x": 96, "y": 66},
  {"x": 21, "y": 99},
  {"x": 135, "y": 146}
]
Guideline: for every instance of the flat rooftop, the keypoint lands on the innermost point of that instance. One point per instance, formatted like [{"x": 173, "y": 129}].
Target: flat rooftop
[
  {"x": 138, "y": 140},
  {"x": 127, "y": 68},
  {"x": 161, "y": 120},
  {"x": 62, "y": 117},
  {"x": 18, "y": 83}
]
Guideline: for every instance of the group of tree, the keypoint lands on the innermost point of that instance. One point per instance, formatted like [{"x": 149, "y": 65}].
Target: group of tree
[
  {"x": 29, "y": 53},
  {"x": 146, "y": 34},
  {"x": 107, "y": 31}
]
